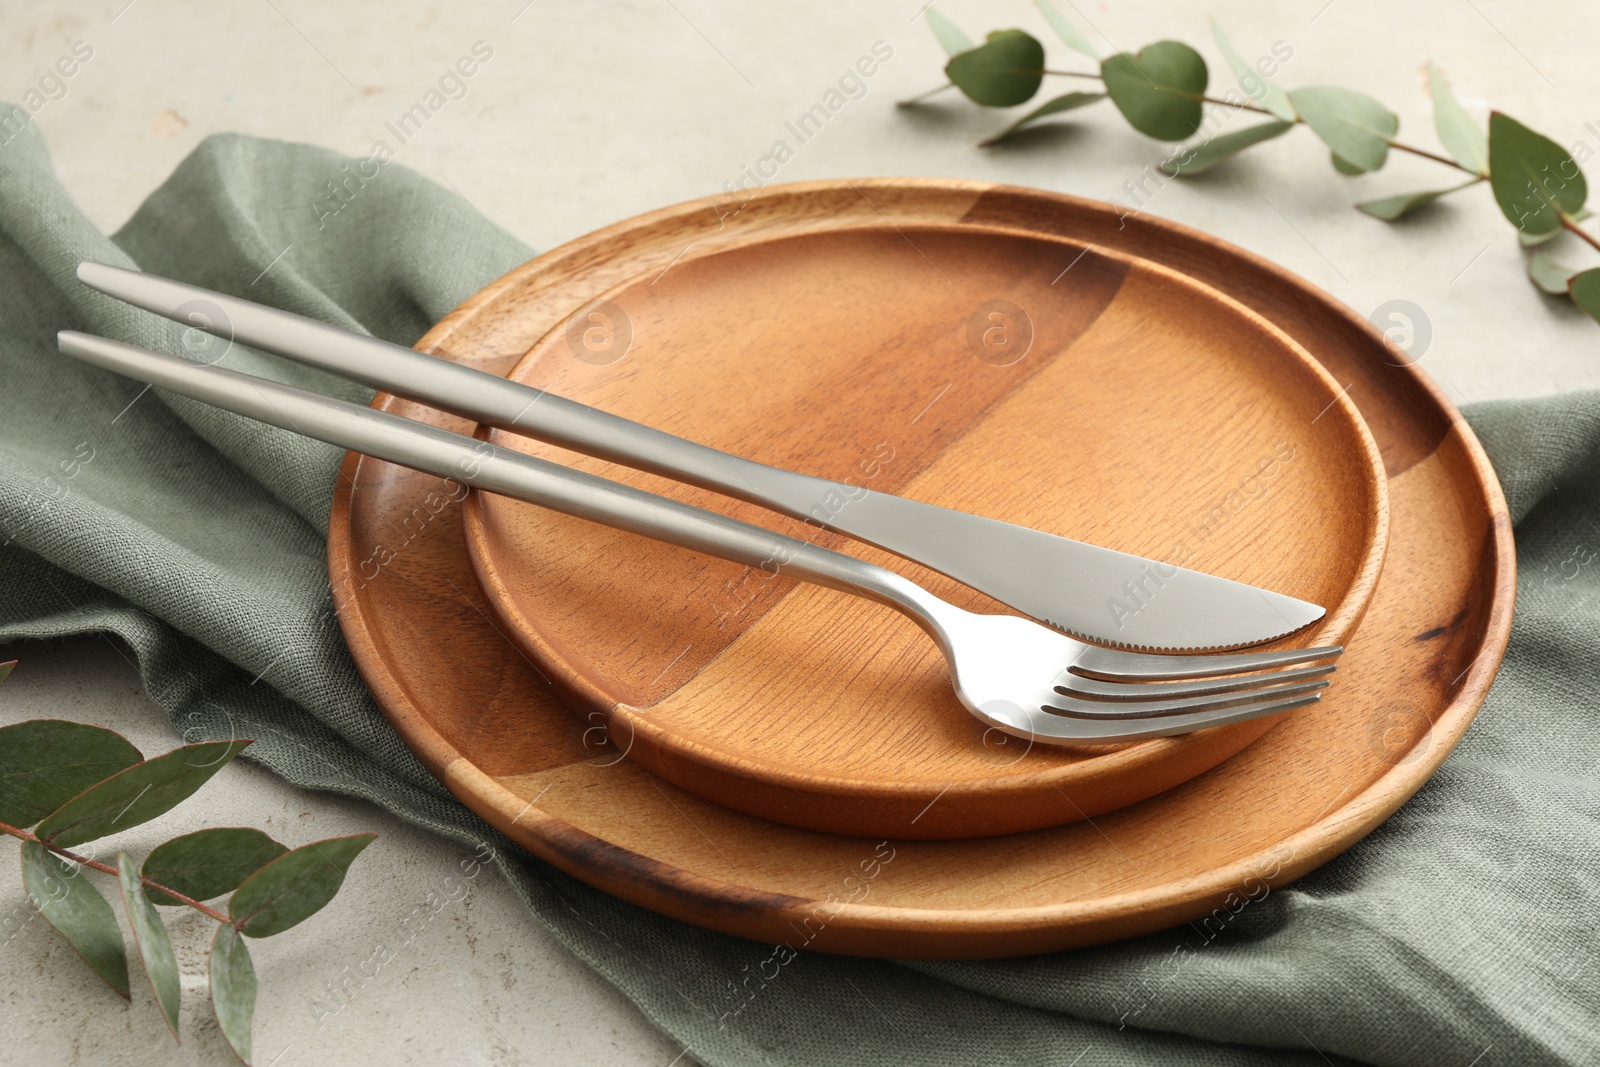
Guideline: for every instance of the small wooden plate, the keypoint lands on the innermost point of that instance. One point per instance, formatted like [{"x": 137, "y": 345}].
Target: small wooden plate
[
  {"x": 483, "y": 719},
  {"x": 1003, "y": 372}
]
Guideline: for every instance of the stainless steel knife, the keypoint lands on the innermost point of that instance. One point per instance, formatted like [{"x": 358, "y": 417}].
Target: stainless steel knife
[{"x": 1091, "y": 592}]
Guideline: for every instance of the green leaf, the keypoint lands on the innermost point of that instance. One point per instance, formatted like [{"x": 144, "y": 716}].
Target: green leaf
[
  {"x": 1535, "y": 180},
  {"x": 1585, "y": 290},
  {"x": 1158, "y": 90},
  {"x": 1390, "y": 208},
  {"x": 1356, "y": 126},
  {"x": 233, "y": 988},
  {"x": 6, "y": 668},
  {"x": 1203, "y": 157},
  {"x": 295, "y": 886},
  {"x": 1003, "y": 71},
  {"x": 1065, "y": 102},
  {"x": 208, "y": 863},
  {"x": 1067, "y": 31},
  {"x": 137, "y": 794},
  {"x": 78, "y": 912},
  {"x": 46, "y": 762},
  {"x": 1463, "y": 138},
  {"x": 1343, "y": 165},
  {"x": 951, "y": 38},
  {"x": 1254, "y": 84},
  {"x": 1549, "y": 275},
  {"x": 155, "y": 947}
]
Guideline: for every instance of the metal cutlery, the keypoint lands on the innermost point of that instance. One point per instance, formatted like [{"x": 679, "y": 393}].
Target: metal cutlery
[
  {"x": 1068, "y": 584},
  {"x": 1018, "y": 676}
]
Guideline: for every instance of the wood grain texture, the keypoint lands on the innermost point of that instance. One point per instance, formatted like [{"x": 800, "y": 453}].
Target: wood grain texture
[
  {"x": 485, "y": 722},
  {"x": 1147, "y": 413}
]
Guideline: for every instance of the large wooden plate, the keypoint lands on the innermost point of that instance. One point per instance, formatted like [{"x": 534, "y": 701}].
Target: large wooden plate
[
  {"x": 1117, "y": 403},
  {"x": 484, "y": 721}
]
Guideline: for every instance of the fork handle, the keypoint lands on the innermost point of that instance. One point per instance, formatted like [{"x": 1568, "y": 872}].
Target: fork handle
[{"x": 500, "y": 470}]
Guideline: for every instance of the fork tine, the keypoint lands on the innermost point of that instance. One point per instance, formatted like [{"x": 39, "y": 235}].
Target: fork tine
[
  {"x": 1097, "y": 689},
  {"x": 1140, "y": 709},
  {"x": 1115, "y": 665},
  {"x": 1046, "y": 725}
]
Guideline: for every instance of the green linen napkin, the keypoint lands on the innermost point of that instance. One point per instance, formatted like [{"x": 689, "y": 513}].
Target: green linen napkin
[{"x": 1461, "y": 932}]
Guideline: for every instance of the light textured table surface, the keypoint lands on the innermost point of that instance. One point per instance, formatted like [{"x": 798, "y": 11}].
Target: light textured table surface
[{"x": 585, "y": 114}]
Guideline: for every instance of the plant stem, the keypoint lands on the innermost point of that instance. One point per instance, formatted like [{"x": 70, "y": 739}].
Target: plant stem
[
  {"x": 923, "y": 96},
  {"x": 1570, "y": 224},
  {"x": 25, "y": 835},
  {"x": 1425, "y": 154},
  {"x": 1243, "y": 106}
]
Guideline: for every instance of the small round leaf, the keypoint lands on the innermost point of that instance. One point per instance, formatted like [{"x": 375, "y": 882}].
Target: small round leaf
[
  {"x": 1354, "y": 125},
  {"x": 1003, "y": 71},
  {"x": 1158, "y": 90}
]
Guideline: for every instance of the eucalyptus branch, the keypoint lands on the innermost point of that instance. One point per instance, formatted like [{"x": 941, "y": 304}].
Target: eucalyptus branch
[
  {"x": 106, "y": 868},
  {"x": 72, "y": 783},
  {"x": 1161, "y": 91},
  {"x": 1237, "y": 105}
]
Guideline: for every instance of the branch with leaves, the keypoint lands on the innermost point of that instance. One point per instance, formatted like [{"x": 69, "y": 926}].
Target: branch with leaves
[
  {"x": 1161, "y": 92},
  {"x": 66, "y": 784}
]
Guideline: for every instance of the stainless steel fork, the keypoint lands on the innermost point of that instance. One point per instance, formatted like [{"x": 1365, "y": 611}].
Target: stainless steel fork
[{"x": 1016, "y": 675}]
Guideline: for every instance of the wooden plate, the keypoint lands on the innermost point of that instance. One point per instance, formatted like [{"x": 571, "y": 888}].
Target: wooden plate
[
  {"x": 1128, "y": 407},
  {"x": 485, "y": 722}
]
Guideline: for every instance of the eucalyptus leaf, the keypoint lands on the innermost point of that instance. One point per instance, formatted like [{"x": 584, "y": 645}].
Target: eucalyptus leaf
[
  {"x": 295, "y": 886},
  {"x": 1203, "y": 157},
  {"x": 1390, "y": 208},
  {"x": 1535, "y": 180},
  {"x": 137, "y": 794},
  {"x": 1158, "y": 90},
  {"x": 1549, "y": 275},
  {"x": 6, "y": 668},
  {"x": 208, "y": 863},
  {"x": 1068, "y": 33},
  {"x": 46, "y": 762},
  {"x": 155, "y": 947},
  {"x": 951, "y": 37},
  {"x": 1065, "y": 102},
  {"x": 1254, "y": 84},
  {"x": 1585, "y": 291},
  {"x": 1354, "y": 125},
  {"x": 233, "y": 988},
  {"x": 1002, "y": 72},
  {"x": 78, "y": 912},
  {"x": 1462, "y": 137},
  {"x": 1343, "y": 165}
]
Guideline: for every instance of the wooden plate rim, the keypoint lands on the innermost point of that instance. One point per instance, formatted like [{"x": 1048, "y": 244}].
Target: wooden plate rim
[{"x": 639, "y": 877}]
